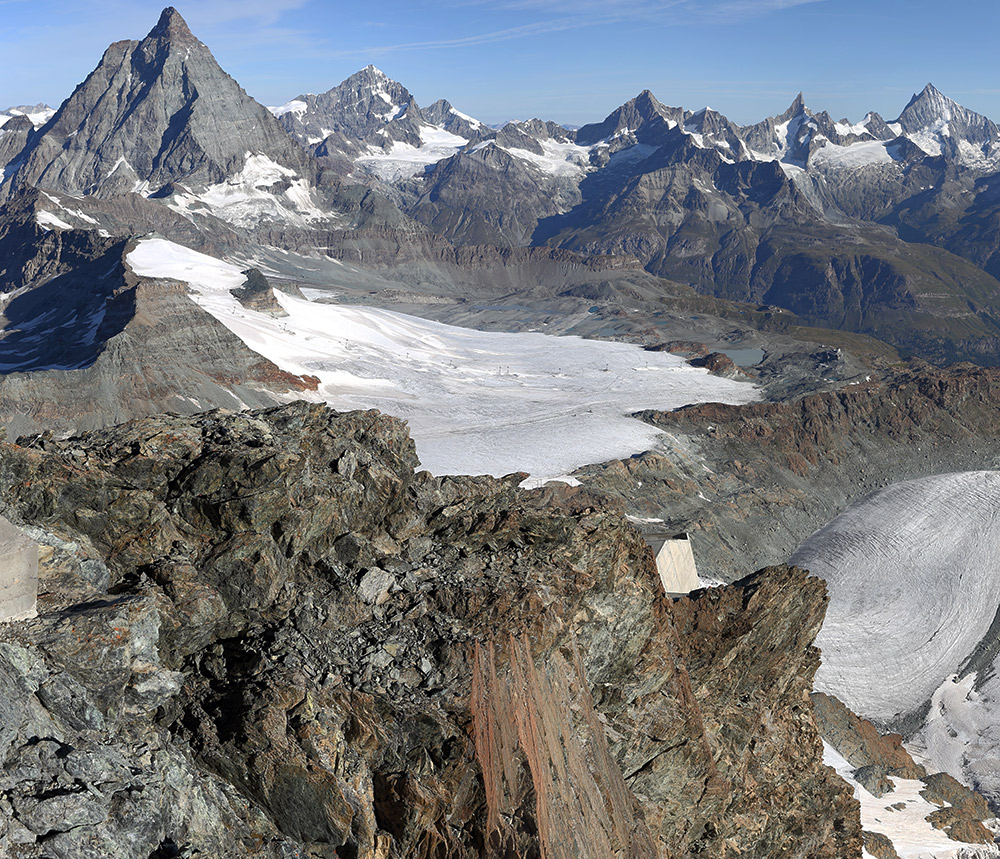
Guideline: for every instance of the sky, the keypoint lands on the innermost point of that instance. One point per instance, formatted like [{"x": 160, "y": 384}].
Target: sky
[{"x": 571, "y": 61}]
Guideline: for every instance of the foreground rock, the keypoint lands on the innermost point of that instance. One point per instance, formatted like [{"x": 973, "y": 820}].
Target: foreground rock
[{"x": 263, "y": 634}]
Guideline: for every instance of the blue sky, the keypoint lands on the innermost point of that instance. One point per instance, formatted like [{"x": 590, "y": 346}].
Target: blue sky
[{"x": 572, "y": 61}]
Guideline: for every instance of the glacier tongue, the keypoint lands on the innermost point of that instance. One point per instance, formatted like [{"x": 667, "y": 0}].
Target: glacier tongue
[{"x": 911, "y": 572}]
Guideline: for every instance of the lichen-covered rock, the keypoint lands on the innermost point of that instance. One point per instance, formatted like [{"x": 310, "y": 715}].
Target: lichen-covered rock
[{"x": 266, "y": 634}]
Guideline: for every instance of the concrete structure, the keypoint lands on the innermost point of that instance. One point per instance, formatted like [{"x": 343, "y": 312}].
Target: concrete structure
[
  {"x": 675, "y": 564},
  {"x": 18, "y": 573}
]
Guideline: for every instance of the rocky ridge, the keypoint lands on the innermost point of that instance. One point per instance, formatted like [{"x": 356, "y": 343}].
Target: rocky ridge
[
  {"x": 265, "y": 634},
  {"x": 742, "y": 479}
]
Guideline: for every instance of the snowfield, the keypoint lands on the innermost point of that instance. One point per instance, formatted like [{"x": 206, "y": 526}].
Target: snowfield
[
  {"x": 911, "y": 572},
  {"x": 907, "y": 827},
  {"x": 404, "y": 160},
  {"x": 476, "y": 402}
]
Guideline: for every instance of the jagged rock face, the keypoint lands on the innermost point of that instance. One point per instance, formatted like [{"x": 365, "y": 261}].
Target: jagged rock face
[
  {"x": 151, "y": 113},
  {"x": 298, "y": 643},
  {"x": 769, "y": 456},
  {"x": 795, "y": 134},
  {"x": 765, "y": 738},
  {"x": 630, "y": 117},
  {"x": 444, "y": 115},
  {"x": 366, "y": 104},
  {"x": 932, "y": 113}
]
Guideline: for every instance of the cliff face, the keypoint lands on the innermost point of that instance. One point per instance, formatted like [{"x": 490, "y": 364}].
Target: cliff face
[
  {"x": 743, "y": 479},
  {"x": 262, "y": 634}
]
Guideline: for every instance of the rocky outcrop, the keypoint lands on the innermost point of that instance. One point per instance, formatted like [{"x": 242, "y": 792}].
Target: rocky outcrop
[
  {"x": 265, "y": 633},
  {"x": 879, "y": 846},
  {"x": 727, "y": 637},
  {"x": 122, "y": 347},
  {"x": 963, "y": 813},
  {"x": 861, "y": 743},
  {"x": 257, "y": 294},
  {"x": 756, "y": 500}
]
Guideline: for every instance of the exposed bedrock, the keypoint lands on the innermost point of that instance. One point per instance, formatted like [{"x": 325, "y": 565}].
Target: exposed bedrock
[
  {"x": 750, "y": 483},
  {"x": 264, "y": 634}
]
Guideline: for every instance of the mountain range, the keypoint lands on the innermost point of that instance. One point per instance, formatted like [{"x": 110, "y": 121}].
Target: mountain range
[{"x": 878, "y": 227}]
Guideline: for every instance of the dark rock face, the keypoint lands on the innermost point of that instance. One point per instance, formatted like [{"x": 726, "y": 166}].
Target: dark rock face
[
  {"x": 487, "y": 196},
  {"x": 149, "y": 115},
  {"x": 263, "y": 634},
  {"x": 257, "y": 294}
]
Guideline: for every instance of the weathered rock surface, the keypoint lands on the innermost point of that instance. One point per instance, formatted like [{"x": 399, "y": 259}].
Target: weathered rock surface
[
  {"x": 879, "y": 845},
  {"x": 964, "y": 810},
  {"x": 860, "y": 742},
  {"x": 264, "y": 634},
  {"x": 257, "y": 294},
  {"x": 741, "y": 480}
]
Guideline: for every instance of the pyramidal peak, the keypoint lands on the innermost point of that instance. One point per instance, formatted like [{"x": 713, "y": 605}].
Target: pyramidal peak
[
  {"x": 796, "y": 108},
  {"x": 934, "y": 121},
  {"x": 147, "y": 118},
  {"x": 172, "y": 26},
  {"x": 930, "y": 98}
]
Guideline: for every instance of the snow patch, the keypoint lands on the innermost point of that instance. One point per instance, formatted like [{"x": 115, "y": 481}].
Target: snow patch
[
  {"x": 907, "y": 827},
  {"x": 851, "y": 157},
  {"x": 404, "y": 160},
  {"x": 845, "y": 129},
  {"x": 475, "y": 123},
  {"x": 558, "y": 159},
  {"x": 294, "y": 106},
  {"x": 38, "y": 118},
  {"x": 247, "y": 198},
  {"x": 47, "y": 221}
]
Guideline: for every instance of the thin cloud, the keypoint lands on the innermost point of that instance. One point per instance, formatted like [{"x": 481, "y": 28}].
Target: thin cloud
[
  {"x": 580, "y": 14},
  {"x": 653, "y": 10},
  {"x": 265, "y": 12},
  {"x": 537, "y": 29}
]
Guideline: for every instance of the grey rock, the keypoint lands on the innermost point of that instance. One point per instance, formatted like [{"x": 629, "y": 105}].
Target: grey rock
[{"x": 147, "y": 115}]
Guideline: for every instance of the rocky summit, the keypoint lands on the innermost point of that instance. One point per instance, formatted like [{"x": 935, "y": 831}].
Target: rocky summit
[{"x": 264, "y": 634}]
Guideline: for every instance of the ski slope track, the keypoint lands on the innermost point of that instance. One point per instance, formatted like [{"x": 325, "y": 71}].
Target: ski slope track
[
  {"x": 476, "y": 402},
  {"x": 911, "y": 572}
]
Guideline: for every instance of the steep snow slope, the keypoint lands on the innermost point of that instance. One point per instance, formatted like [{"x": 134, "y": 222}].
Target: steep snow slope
[
  {"x": 476, "y": 402},
  {"x": 913, "y": 589}
]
